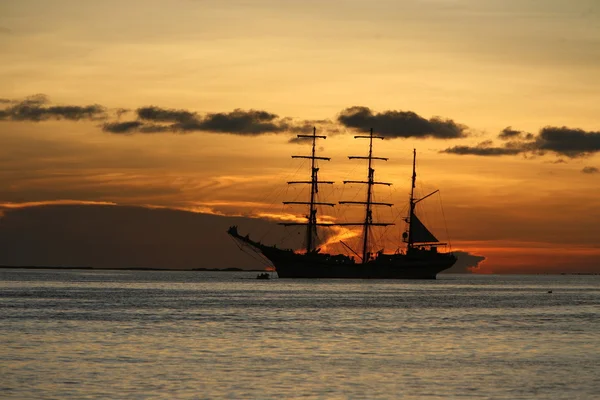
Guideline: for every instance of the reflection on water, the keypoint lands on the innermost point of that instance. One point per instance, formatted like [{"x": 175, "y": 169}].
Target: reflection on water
[{"x": 124, "y": 334}]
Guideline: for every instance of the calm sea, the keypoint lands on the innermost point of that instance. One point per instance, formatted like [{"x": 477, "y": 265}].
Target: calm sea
[{"x": 144, "y": 335}]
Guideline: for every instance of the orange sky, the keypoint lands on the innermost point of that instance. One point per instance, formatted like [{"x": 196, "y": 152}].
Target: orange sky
[{"x": 484, "y": 66}]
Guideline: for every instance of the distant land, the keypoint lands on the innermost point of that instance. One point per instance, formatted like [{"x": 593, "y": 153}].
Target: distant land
[
  {"x": 229, "y": 270},
  {"x": 134, "y": 269}
]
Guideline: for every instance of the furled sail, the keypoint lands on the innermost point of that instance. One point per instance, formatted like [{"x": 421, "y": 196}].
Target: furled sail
[{"x": 419, "y": 232}]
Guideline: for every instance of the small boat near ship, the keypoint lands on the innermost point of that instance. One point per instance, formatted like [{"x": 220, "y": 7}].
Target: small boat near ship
[{"x": 420, "y": 260}]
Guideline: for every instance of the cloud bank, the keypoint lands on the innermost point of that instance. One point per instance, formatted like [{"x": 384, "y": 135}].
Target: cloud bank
[
  {"x": 392, "y": 124},
  {"x": 561, "y": 141},
  {"x": 36, "y": 108},
  {"x": 466, "y": 262},
  {"x": 155, "y": 119},
  {"x": 400, "y": 124}
]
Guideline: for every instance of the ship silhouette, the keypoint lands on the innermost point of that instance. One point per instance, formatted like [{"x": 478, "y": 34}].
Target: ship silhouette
[{"x": 420, "y": 260}]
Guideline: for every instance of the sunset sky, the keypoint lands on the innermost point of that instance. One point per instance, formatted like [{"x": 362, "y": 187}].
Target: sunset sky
[{"x": 192, "y": 105}]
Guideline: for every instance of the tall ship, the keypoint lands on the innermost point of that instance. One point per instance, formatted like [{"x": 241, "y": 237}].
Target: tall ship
[{"x": 420, "y": 259}]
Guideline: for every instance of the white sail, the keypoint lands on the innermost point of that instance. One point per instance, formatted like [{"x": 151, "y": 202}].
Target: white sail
[{"x": 419, "y": 232}]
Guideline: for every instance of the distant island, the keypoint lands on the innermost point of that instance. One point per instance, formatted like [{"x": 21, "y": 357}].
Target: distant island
[
  {"x": 134, "y": 268},
  {"x": 220, "y": 269}
]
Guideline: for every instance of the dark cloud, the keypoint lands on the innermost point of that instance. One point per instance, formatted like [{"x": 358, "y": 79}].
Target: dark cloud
[
  {"x": 562, "y": 141},
  {"x": 154, "y": 119},
  {"x": 37, "y": 108},
  {"x": 154, "y": 128},
  {"x": 122, "y": 127},
  {"x": 508, "y": 133},
  {"x": 590, "y": 170},
  {"x": 482, "y": 149},
  {"x": 239, "y": 122},
  {"x": 466, "y": 262},
  {"x": 567, "y": 141},
  {"x": 130, "y": 127},
  {"x": 157, "y": 114},
  {"x": 400, "y": 124}
]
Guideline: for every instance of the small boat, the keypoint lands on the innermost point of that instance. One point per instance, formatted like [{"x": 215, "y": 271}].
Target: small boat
[{"x": 264, "y": 275}]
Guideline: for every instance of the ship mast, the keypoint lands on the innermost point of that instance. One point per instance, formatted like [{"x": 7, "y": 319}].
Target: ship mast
[
  {"x": 412, "y": 221},
  {"x": 311, "y": 224},
  {"x": 370, "y": 182},
  {"x": 412, "y": 202}
]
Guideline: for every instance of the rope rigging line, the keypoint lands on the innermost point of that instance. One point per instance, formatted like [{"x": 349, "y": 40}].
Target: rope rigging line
[
  {"x": 278, "y": 193},
  {"x": 244, "y": 248},
  {"x": 445, "y": 222}
]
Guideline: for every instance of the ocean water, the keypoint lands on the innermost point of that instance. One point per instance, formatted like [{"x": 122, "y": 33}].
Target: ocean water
[{"x": 205, "y": 335}]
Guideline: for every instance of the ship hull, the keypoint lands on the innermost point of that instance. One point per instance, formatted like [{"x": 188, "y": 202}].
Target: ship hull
[{"x": 422, "y": 266}]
